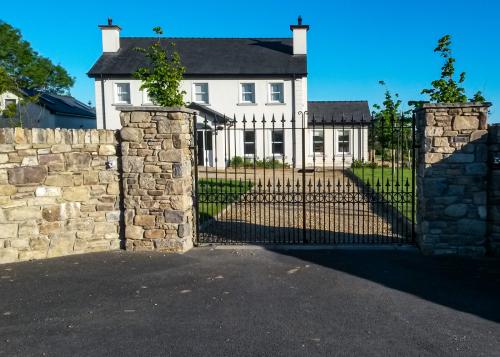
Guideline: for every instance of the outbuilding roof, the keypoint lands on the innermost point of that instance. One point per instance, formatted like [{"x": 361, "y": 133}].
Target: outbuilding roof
[
  {"x": 62, "y": 104},
  {"x": 336, "y": 112},
  {"x": 209, "y": 56}
]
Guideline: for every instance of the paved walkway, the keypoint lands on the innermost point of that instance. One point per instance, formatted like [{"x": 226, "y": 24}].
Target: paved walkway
[{"x": 227, "y": 302}]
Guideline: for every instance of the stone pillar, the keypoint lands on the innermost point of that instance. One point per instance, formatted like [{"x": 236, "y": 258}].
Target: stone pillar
[
  {"x": 494, "y": 189},
  {"x": 452, "y": 178},
  {"x": 157, "y": 179}
]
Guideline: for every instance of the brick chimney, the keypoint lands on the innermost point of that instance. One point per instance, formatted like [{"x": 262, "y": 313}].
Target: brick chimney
[
  {"x": 299, "y": 37},
  {"x": 110, "y": 37}
]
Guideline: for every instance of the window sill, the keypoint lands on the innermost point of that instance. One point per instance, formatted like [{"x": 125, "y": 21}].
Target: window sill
[
  {"x": 203, "y": 103},
  {"x": 247, "y": 104},
  {"x": 275, "y": 103},
  {"x": 117, "y": 104}
]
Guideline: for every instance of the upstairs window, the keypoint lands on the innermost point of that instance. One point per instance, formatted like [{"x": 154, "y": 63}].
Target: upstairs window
[
  {"x": 318, "y": 141},
  {"x": 276, "y": 93},
  {"x": 201, "y": 93},
  {"x": 123, "y": 93},
  {"x": 249, "y": 142},
  {"x": 9, "y": 102},
  {"x": 344, "y": 141},
  {"x": 277, "y": 142},
  {"x": 248, "y": 92}
]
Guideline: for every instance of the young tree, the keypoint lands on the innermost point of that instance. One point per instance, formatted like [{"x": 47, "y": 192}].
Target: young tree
[
  {"x": 391, "y": 130},
  {"x": 162, "y": 78},
  {"x": 447, "y": 89}
]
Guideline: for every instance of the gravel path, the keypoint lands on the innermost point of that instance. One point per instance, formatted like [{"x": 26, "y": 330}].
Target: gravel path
[{"x": 343, "y": 213}]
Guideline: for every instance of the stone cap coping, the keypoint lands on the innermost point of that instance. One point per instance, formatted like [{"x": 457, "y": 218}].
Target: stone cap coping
[
  {"x": 154, "y": 108},
  {"x": 454, "y": 105}
]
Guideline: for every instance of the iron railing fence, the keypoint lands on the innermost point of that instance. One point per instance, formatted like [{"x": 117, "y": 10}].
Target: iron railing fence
[{"x": 308, "y": 181}]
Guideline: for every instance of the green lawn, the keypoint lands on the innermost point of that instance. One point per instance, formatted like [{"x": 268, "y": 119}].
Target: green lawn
[
  {"x": 214, "y": 195},
  {"x": 396, "y": 186}
]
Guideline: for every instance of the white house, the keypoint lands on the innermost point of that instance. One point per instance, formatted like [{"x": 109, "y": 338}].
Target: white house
[
  {"x": 229, "y": 81},
  {"x": 48, "y": 111}
]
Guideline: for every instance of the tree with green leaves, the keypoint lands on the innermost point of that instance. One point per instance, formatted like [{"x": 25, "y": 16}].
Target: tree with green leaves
[
  {"x": 447, "y": 89},
  {"x": 391, "y": 129},
  {"x": 21, "y": 67},
  {"x": 163, "y": 76}
]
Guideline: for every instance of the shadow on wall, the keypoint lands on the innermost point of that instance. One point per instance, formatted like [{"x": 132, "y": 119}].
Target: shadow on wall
[{"x": 452, "y": 195}]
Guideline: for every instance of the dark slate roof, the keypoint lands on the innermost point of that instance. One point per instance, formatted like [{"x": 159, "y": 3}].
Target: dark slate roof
[
  {"x": 334, "y": 111},
  {"x": 63, "y": 104},
  {"x": 209, "y": 56}
]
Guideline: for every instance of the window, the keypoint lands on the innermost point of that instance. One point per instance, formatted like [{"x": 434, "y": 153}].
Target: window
[
  {"x": 208, "y": 140},
  {"x": 201, "y": 93},
  {"x": 248, "y": 92},
  {"x": 123, "y": 93},
  {"x": 276, "y": 93},
  {"x": 249, "y": 142},
  {"x": 318, "y": 142},
  {"x": 277, "y": 142},
  {"x": 9, "y": 102},
  {"x": 343, "y": 141}
]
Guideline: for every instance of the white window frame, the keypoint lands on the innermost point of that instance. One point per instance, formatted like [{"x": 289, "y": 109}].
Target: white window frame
[
  {"x": 270, "y": 93},
  {"x": 322, "y": 132},
  {"x": 117, "y": 100},
  {"x": 282, "y": 142},
  {"x": 194, "y": 93},
  {"x": 9, "y": 100},
  {"x": 248, "y": 142},
  {"x": 242, "y": 100},
  {"x": 338, "y": 132},
  {"x": 146, "y": 100}
]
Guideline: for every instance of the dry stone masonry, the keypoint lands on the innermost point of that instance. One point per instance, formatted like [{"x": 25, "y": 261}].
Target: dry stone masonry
[
  {"x": 494, "y": 189},
  {"x": 157, "y": 178},
  {"x": 452, "y": 178},
  {"x": 59, "y": 193}
]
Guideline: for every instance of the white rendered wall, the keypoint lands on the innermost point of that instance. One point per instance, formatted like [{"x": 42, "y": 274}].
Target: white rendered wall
[
  {"x": 224, "y": 97},
  {"x": 300, "y": 41},
  {"x": 110, "y": 40}
]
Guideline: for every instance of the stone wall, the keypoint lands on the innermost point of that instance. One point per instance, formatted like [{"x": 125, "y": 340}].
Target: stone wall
[
  {"x": 157, "y": 178},
  {"x": 494, "y": 189},
  {"x": 452, "y": 178},
  {"x": 59, "y": 192}
]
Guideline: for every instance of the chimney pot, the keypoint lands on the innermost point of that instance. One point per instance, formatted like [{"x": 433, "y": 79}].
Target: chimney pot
[
  {"x": 110, "y": 36},
  {"x": 299, "y": 37}
]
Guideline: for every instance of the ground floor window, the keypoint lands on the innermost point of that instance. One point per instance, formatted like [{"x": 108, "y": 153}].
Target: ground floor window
[
  {"x": 277, "y": 142},
  {"x": 249, "y": 142},
  {"x": 318, "y": 142},
  {"x": 343, "y": 141}
]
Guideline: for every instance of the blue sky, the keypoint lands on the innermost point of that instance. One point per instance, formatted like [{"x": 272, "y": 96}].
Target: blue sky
[{"x": 352, "y": 44}]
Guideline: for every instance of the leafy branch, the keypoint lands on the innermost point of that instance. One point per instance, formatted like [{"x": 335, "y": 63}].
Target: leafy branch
[
  {"x": 448, "y": 89},
  {"x": 162, "y": 78}
]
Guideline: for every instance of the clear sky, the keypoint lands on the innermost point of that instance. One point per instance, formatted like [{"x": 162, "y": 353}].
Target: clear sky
[{"x": 352, "y": 44}]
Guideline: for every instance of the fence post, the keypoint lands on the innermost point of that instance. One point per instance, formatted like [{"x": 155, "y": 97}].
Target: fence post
[
  {"x": 452, "y": 178},
  {"x": 157, "y": 178}
]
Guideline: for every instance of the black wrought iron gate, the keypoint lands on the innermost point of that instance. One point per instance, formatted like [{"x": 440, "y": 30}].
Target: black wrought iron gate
[{"x": 304, "y": 180}]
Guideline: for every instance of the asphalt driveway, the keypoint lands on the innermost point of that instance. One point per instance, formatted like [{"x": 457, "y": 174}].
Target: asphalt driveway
[{"x": 228, "y": 302}]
